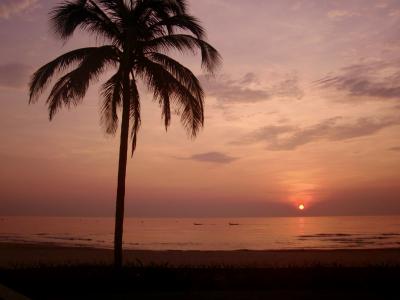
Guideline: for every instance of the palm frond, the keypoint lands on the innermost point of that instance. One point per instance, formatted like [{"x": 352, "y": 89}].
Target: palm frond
[
  {"x": 68, "y": 16},
  {"x": 180, "y": 72},
  {"x": 140, "y": 34},
  {"x": 160, "y": 7},
  {"x": 182, "y": 21},
  {"x": 150, "y": 12},
  {"x": 111, "y": 92},
  {"x": 134, "y": 113},
  {"x": 72, "y": 87},
  {"x": 118, "y": 9},
  {"x": 42, "y": 77},
  {"x": 210, "y": 58},
  {"x": 167, "y": 88}
]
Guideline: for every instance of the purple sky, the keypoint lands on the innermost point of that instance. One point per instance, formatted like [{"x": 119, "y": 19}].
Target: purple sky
[{"x": 305, "y": 109}]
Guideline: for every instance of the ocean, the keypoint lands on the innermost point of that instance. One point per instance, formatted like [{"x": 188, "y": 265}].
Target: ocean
[{"x": 209, "y": 233}]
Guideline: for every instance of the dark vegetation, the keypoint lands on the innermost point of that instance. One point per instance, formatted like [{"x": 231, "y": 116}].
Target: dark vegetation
[{"x": 163, "y": 282}]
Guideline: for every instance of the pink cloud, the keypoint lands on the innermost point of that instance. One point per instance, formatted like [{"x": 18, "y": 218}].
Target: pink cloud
[{"x": 12, "y": 7}]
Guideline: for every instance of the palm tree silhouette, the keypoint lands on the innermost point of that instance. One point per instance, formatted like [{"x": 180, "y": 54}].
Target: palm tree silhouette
[{"x": 137, "y": 35}]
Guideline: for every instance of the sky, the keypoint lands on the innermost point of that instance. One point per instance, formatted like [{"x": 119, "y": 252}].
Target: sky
[{"x": 304, "y": 109}]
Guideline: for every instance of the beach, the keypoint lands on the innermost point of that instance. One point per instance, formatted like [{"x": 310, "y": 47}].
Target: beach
[
  {"x": 14, "y": 254},
  {"x": 44, "y": 271}
]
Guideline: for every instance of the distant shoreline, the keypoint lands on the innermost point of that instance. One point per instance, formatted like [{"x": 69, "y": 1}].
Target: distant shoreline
[{"x": 15, "y": 254}]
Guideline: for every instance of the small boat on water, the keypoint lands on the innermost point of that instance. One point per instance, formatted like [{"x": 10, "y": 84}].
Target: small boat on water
[
  {"x": 197, "y": 224},
  {"x": 233, "y": 224}
]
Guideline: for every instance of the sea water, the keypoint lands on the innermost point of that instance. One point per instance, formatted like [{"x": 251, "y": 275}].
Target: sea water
[{"x": 209, "y": 233}]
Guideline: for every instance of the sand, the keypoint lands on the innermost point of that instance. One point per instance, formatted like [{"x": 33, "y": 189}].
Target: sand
[{"x": 12, "y": 254}]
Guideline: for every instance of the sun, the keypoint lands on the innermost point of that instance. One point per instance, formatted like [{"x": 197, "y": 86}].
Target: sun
[{"x": 302, "y": 207}]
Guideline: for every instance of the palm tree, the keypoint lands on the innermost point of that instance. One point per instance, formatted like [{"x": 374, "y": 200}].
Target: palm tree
[{"x": 137, "y": 37}]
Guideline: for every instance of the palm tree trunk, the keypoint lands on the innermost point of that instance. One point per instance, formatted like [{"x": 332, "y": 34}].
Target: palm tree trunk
[{"x": 123, "y": 149}]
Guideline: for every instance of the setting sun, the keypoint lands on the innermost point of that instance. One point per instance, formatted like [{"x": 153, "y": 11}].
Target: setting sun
[{"x": 302, "y": 207}]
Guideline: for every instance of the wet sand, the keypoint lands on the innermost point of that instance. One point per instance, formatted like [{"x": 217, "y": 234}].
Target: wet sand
[{"x": 12, "y": 254}]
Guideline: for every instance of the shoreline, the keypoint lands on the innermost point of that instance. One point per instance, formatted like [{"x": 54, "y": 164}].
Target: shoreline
[{"x": 24, "y": 254}]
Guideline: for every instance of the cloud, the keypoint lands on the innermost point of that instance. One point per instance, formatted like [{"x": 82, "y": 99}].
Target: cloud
[
  {"x": 340, "y": 14},
  {"x": 382, "y": 5},
  {"x": 285, "y": 138},
  {"x": 12, "y": 7},
  {"x": 248, "y": 89},
  {"x": 377, "y": 80},
  {"x": 213, "y": 157},
  {"x": 228, "y": 90},
  {"x": 397, "y": 149},
  {"x": 394, "y": 13},
  {"x": 288, "y": 87},
  {"x": 267, "y": 133},
  {"x": 14, "y": 75}
]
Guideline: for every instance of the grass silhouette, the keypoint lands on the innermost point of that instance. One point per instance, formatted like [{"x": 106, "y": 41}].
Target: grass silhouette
[{"x": 223, "y": 282}]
